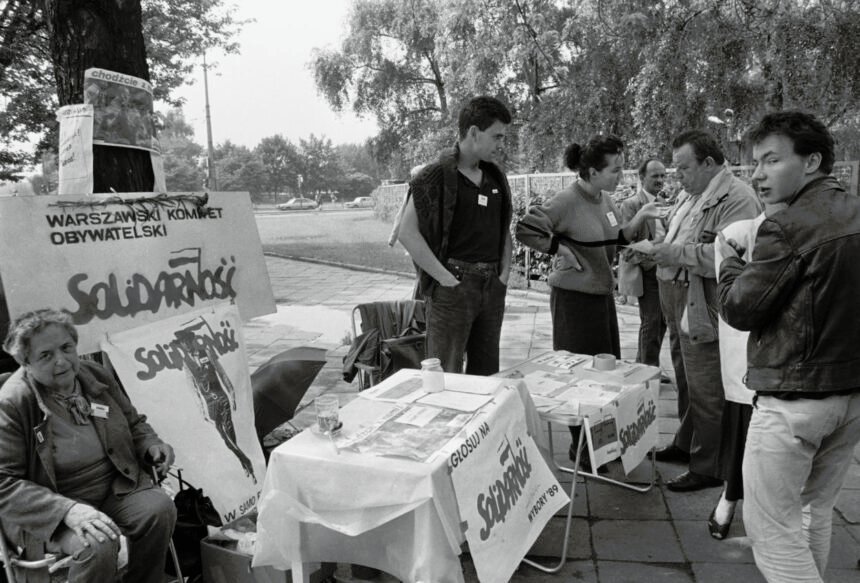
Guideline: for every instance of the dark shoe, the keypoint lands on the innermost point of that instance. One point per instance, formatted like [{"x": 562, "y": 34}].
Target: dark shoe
[
  {"x": 717, "y": 530},
  {"x": 672, "y": 453},
  {"x": 584, "y": 461},
  {"x": 690, "y": 482}
]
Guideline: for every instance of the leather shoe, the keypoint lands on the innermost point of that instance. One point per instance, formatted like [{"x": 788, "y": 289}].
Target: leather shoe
[
  {"x": 717, "y": 530},
  {"x": 672, "y": 453},
  {"x": 691, "y": 481}
]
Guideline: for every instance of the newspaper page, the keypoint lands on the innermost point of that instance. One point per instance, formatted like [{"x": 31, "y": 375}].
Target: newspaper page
[
  {"x": 122, "y": 109},
  {"x": 410, "y": 431}
]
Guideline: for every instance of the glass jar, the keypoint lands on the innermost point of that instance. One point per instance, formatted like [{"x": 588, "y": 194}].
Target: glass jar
[{"x": 432, "y": 375}]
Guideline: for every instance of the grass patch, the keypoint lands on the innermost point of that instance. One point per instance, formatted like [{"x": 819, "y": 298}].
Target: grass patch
[{"x": 357, "y": 238}]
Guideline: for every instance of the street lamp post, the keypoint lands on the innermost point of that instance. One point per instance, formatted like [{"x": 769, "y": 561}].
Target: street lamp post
[{"x": 213, "y": 180}]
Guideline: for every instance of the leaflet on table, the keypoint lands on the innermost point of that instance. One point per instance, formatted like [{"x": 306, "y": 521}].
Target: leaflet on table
[
  {"x": 583, "y": 397},
  {"x": 405, "y": 386},
  {"x": 411, "y": 431},
  {"x": 453, "y": 400},
  {"x": 464, "y": 383},
  {"x": 560, "y": 360},
  {"x": 559, "y": 363}
]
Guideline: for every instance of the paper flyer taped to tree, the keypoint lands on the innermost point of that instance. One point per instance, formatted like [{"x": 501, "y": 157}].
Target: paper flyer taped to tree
[
  {"x": 75, "y": 161},
  {"x": 116, "y": 265},
  {"x": 505, "y": 491},
  {"x": 189, "y": 375},
  {"x": 122, "y": 108}
]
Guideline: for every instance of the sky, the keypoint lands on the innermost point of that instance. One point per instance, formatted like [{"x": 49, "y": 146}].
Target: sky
[{"x": 267, "y": 88}]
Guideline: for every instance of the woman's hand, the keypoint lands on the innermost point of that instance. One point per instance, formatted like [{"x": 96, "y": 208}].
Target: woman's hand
[
  {"x": 567, "y": 255},
  {"x": 161, "y": 457},
  {"x": 89, "y": 523}
]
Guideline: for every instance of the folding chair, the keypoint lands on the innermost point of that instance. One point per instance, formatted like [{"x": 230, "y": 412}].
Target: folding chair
[{"x": 393, "y": 336}]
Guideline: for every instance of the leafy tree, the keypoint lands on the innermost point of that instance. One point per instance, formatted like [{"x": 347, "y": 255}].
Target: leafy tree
[
  {"x": 359, "y": 158},
  {"x": 46, "y": 44},
  {"x": 281, "y": 165},
  {"x": 182, "y": 168},
  {"x": 320, "y": 166},
  {"x": 240, "y": 169}
]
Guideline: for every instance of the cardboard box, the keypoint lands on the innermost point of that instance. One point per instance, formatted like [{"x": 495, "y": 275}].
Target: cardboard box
[{"x": 222, "y": 563}]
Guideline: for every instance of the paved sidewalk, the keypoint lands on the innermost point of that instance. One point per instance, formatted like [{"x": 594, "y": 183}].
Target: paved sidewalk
[{"x": 617, "y": 535}]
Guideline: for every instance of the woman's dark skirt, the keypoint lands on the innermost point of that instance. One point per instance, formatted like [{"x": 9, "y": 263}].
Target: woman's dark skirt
[{"x": 584, "y": 323}]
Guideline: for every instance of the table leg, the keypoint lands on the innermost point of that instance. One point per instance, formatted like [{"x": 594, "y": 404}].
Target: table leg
[
  {"x": 572, "y": 494},
  {"x": 299, "y": 572},
  {"x": 595, "y": 476}
]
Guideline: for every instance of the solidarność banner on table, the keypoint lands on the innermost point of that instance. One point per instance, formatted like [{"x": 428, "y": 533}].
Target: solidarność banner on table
[{"x": 505, "y": 491}]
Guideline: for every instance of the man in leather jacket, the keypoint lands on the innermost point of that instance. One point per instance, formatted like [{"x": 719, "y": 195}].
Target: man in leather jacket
[{"x": 798, "y": 299}]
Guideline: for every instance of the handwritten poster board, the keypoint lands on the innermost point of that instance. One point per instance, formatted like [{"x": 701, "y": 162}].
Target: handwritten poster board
[
  {"x": 116, "y": 266},
  {"x": 189, "y": 375},
  {"x": 76, "y": 149},
  {"x": 505, "y": 491}
]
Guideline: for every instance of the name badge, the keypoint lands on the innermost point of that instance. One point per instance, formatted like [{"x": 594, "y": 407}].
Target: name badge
[
  {"x": 495, "y": 191},
  {"x": 613, "y": 222},
  {"x": 482, "y": 200},
  {"x": 99, "y": 410}
]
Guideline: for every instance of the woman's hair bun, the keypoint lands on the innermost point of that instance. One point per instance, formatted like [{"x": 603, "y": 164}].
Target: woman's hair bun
[{"x": 572, "y": 156}]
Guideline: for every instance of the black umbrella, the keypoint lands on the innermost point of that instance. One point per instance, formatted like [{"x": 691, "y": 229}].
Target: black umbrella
[{"x": 280, "y": 384}]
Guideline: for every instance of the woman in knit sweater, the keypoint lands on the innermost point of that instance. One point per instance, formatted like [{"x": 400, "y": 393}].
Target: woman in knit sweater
[{"x": 581, "y": 227}]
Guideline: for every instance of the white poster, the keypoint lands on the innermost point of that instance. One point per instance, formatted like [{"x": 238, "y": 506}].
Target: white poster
[
  {"x": 119, "y": 263},
  {"x": 190, "y": 374},
  {"x": 505, "y": 491},
  {"x": 76, "y": 149},
  {"x": 602, "y": 438},
  {"x": 637, "y": 424}
]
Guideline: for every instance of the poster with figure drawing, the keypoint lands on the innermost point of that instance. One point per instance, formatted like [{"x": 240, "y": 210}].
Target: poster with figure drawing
[{"x": 188, "y": 374}]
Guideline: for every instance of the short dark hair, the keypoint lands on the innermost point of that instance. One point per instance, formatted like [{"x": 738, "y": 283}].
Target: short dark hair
[
  {"x": 593, "y": 154},
  {"x": 703, "y": 143},
  {"x": 643, "y": 167},
  {"x": 482, "y": 112},
  {"x": 806, "y": 131},
  {"x": 22, "y": 330}
]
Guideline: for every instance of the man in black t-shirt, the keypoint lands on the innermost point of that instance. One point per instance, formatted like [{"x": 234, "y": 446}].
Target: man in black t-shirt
[{"x": 456, "y": 227}]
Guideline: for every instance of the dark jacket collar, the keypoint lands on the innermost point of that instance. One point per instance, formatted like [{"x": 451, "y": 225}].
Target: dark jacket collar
[{"x": 816, "y": 186}]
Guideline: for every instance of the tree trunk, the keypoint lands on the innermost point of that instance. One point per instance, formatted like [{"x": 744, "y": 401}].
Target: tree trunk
[{"x": 107, "y": 34}]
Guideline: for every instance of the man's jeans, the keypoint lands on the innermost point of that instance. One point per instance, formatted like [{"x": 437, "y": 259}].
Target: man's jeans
[
  {"x": 652, "y": 327},
  {"x": 467, "y": 319},
  {"x": 797, "y": 455}
]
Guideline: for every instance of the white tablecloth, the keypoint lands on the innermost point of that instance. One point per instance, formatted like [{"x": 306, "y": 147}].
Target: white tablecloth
[{"x": 394, "y": 514}]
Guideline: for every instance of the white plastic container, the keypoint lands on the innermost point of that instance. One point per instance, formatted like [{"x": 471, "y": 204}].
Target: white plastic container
[{"x": 432, "y": 375}]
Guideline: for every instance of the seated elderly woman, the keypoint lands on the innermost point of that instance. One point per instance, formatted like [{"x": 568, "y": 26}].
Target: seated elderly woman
[{"x": 75, "y": 458}]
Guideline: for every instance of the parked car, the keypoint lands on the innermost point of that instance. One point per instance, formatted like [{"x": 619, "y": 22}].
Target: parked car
[
  {"x": 297, "y": 204},
  {"x": 360, "y": 202}
]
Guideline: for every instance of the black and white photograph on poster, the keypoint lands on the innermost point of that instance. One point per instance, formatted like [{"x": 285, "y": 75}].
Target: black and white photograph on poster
[
  {"x": 123, "y": 113},
  {"x": 190, "y": 374}
]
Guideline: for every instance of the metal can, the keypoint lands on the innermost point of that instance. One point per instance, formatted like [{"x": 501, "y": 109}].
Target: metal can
[{"x": 432, "y": 375}]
